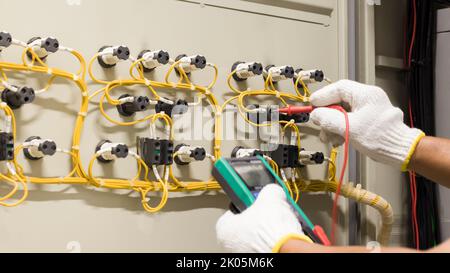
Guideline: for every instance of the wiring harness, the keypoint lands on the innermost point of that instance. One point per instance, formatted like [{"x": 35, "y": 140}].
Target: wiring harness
[{"x": 155, "y": 156}]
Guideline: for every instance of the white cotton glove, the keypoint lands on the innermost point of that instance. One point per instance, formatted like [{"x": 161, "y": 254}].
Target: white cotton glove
[
  {"x": 376, "y": 127},
  {"x": 263, "y": 227}
]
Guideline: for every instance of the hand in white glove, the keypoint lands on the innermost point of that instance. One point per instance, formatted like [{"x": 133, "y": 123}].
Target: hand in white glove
[
  {"x": 262, "y": 228},
  {"x": 376, "y": 127}
]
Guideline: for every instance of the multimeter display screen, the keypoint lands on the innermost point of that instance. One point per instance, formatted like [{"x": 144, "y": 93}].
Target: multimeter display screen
[{"x": 255, "y": 176}]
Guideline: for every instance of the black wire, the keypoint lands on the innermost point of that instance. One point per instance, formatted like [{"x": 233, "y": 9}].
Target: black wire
[{"x": 420, "y": 83}]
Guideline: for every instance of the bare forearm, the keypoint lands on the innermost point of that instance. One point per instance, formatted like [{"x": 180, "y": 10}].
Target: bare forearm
[
  {"x": 432, "y": 160},
  {"x": 296, "y": 246}
]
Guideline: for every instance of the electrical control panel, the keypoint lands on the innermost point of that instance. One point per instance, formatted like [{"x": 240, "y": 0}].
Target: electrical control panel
[{"x": 117, "y": 107}]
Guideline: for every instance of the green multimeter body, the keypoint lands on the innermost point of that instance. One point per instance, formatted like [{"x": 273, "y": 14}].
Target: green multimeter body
[{"x": 243, "y": 178}]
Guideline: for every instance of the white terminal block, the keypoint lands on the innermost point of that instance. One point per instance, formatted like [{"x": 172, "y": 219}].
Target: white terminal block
[
  {"x": 184, "y": 154},
  {"x": 240, "y": 152},
  {"x": 43, "y": 46},
  {"x": 311, "y": 158},
  {"x": 248, "y": 70},
  {"x": 191, "y": 63},
  {"x": 311, "y": 76},
  {"x": 107, "y": 151},
  {"x": 39, "y": 148},
  {"x": 109, "y": 56},
  {"x": 279, "y": 73},
  {"x": 153, "y": 59}
]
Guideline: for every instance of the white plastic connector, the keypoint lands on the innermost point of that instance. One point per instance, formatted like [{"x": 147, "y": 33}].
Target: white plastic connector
[
  {"x": 154, "y": 59},
  {"x": 311, "y": 158},
  {"x": 44, "y": 46},
  {"x": 33, "y": 147},
  {"x": 248, "y": 70},
  {"x": 106, "y": 151},
  {"x": 192, "y": 63},
  {"x": 310, "y": 76},
  {"x": 279, "y": 73},
  {"x": 111, "y": 55}
]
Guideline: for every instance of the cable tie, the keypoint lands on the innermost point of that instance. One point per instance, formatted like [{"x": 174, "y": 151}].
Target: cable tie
[
  {"x": 278, "y": 94},
  {"x": 101, "y": 182},
  {"x": 76, "y": 148},
  {"x": 148, "y": 82},
  {"x": 49, "y": 71},
  {"x": 3, "y": 105},
  {"x": 207, "y": 92},
  {"x": 192, "y": 87},
  {"x": 61, "y": 179},
  {"x": 84, "y": 94},
  {"x": 83, "y": 114},
  {"x": 27, "y": 180},
  {"x": 75, "y": 77}
]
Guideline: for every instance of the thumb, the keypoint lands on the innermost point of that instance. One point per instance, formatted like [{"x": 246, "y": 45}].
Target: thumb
[
  {"x": 329, "y": 120},
  {"x": 271, "y": 194}
]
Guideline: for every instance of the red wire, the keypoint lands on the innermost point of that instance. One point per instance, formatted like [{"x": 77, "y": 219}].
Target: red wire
[
  {"x": 335, "y": 215},
  {"x": 412, "y": 175}
]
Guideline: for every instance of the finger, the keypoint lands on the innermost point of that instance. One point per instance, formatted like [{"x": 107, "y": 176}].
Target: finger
[
  {"x": 333, "y": 139},
  {"x": 224, "y": 220},
  {"x": 271, "y": 193},
  {"x": 335, "y": 93},
  {"x": 329, "y": 120}
]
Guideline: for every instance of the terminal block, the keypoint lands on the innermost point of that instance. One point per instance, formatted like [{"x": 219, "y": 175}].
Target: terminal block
[
  {"x": 191, "y": 63},
  {"x": 6, "y": 146},
  {"x": 109, "y": 151},
  {"x": 178, "y": 108},
  {"x": 109, "y": 56},
  {"x": 15, "y": 96},
  {"x": 5, "y": 40},
  {"x": 155, "y": 151},
  {"x": 153, "y": 59},
  {"x": 43, "y": 46},
  {"x": 286, "y": 156},
  {"x": 279, "y": 73},
  {"x": 186, "y": 154},
  {"x": 132, "y": 104},
  {"x": 309, "y": 76},
  {"x": 36, "y": 148},
  {"x": 240, "y": 152},
  {"x": 246, "y": 70},
  {"x": 311, "y": 158}
]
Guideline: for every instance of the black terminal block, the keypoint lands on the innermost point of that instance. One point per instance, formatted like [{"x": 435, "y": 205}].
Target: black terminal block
[
  {"x": 46, "y": 148},
  {"x": 50, "y": 45},
  {"x": 286, "y": 156},
  {"x": 138, "y": 104},
  {"x": 119, "y": 150},
  {"x": 180, "y": 107},
  {"x": 5, "y": 40},
  {"x": 155, "y": 151},
  {"x": 6, "y": 146},
  {"x": 15, "y": 99}
]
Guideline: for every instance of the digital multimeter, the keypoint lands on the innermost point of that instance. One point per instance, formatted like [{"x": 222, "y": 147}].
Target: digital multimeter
[{"x": 243, "y": 178}]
